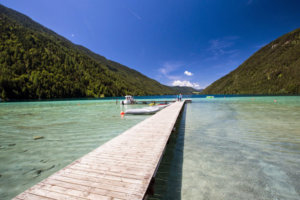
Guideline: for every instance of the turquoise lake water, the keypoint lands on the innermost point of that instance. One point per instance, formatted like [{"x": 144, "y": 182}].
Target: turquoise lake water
[{"x": 224, "y": 148}]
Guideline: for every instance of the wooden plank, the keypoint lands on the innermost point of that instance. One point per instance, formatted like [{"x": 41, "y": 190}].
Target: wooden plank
[
  {"x": 117, "y": 162},
  {"x": 122, "y": 168},
  {"x": 106, "y": 176},
  {"x": 114, "y": 169},
  {"x": 94, "y": 187},
  {"x": 26, "y": 195},
  {"x": 37, "y": 190},
  {"x": 71, "y": 191},
  {"x": 92, "y": 190},
  {"x": 116, "y": 174},
  {"x": 96, "y": 179}
]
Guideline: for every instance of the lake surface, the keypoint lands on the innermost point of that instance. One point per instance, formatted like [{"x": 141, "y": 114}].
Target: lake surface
[
  {"x": 224, "y": 148},
  {"x": 70, "y": 130}
]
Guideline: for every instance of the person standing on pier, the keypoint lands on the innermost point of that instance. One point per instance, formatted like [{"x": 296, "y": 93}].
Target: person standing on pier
[{"x": 180, "y": 97}]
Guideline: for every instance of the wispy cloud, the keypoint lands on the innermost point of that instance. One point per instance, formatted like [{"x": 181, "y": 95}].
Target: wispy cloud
[
  {"x": 171, "y": 72},
  {"x": 72, "y": 35},
  {"x": 249, "y": 2},
  {"x": 188, "y": 73},
  {"x": 186, "y": 84},
  {"x": 222, "y": 46},
  {"x": 169, "y": 67},
  {"x": 135, "y": 14},
  {"x": 217, "y": 46}
]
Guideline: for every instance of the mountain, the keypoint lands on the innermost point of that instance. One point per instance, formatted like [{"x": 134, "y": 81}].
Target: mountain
[
  {"x": 274, "y": 69},
  {"x": 37, "y": 63},
  {"x": 184, "y": 90}
]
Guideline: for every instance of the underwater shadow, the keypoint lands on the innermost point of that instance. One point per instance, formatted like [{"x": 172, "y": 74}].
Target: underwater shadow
[{"x": 168, "y": 179}]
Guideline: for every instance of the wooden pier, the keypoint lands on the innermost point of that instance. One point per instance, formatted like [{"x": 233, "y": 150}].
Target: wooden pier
[
  {"x": 122, "y": 168},
  {"x": 154, "y": 101},
  {"x": 159, "y": 101}
]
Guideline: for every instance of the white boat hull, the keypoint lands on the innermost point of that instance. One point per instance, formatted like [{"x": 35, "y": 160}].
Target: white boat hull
[{"x": 145, "y": 111}]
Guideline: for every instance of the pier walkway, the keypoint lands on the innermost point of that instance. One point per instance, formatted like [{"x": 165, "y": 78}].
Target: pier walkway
[{"x": 122, "y": 168}]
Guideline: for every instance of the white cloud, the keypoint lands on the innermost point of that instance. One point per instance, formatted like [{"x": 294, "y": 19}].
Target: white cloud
[
  {"x": 188, "y": 73},
  {"x": 186, "y": 83}
]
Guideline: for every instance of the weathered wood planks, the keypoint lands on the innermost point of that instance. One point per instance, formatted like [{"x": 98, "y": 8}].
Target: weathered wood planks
[{"x": 122, "y": 168}]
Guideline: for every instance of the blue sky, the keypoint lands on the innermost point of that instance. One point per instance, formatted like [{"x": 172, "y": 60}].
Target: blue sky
[{"x": 176, "y": 42}]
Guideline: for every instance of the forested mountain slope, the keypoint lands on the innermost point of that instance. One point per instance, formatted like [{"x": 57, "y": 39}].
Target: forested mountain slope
[
  {"x": 37, "y": 63},
  {"x": 274, "y": 69}
]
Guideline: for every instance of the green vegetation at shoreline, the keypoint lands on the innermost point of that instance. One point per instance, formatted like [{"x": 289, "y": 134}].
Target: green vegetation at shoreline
[
  {"x": 36, "y": 63},
  {"x": 274, "y": 69}
]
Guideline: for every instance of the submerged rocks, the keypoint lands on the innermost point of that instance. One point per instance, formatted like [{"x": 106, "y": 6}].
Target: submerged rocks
[
  {"x": 39, "y": 171},
  {"x": 38, "y": 137}
]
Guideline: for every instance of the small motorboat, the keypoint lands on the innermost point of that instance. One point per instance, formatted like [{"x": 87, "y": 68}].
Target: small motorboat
[
  {"x": 152, "y": 104},
  {"x": 128, "y": 100},
  {"x": 145, "y": 110}
]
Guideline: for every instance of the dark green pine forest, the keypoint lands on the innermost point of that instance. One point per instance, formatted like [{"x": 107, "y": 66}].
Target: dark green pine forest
[
  {"x": 37, "y": 63},
  {"x": 274, "y": 69}
]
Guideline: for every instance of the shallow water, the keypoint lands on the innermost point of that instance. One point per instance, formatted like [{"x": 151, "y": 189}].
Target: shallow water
[
  {"x": 224, "y": 148},
  {"x": 70, "y": 130},
  {"x": 234, "y": 148}
]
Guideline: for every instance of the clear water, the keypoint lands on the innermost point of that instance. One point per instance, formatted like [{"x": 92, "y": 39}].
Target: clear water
[
  {"x": 224, "y": 148},
  {"x": 234, "y": 148},
  {"x": 70, "y": 130}
]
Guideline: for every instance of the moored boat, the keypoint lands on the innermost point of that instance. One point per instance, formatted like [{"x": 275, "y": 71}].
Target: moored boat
[
  {"x": 128, "y": 100},
  {"x": 145, "y": 110}
]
